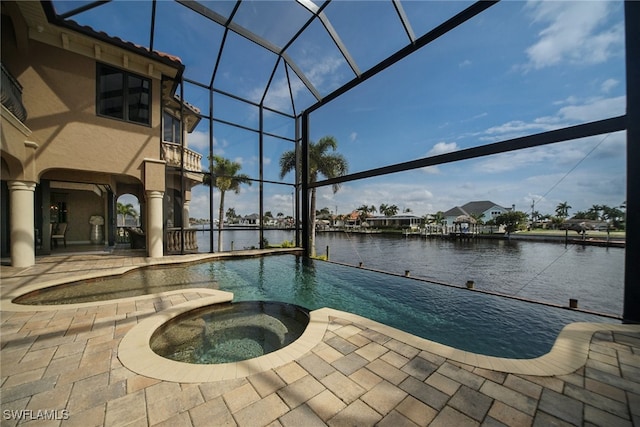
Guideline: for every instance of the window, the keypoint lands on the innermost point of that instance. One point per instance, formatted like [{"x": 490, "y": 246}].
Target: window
[
  {"x": 123, "y": 95},
  {"x": 171, "y": 132}
]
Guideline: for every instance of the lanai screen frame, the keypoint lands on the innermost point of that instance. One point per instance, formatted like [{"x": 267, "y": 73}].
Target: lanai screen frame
[{"x": 630, "y": 122}]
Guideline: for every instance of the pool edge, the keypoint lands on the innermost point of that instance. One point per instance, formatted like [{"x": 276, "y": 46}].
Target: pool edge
[{"x": 568, "y": 353}]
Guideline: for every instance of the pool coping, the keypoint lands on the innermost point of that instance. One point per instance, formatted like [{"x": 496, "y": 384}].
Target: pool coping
[{"x": 569, "y": 352}]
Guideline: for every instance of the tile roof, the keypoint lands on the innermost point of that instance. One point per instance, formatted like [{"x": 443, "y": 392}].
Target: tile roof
[
  {"x": 85, "y": 29},
  {"x": 163, "y": 57}
]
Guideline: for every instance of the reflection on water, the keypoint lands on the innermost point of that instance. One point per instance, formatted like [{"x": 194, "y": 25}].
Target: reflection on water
[{"x": 547, "y": 272}]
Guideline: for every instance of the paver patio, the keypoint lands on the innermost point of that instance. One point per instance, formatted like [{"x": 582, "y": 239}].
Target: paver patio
[{"x": 66, "y": 362}]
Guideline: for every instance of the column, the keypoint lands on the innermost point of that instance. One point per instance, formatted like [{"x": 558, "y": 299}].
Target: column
[
  {"x": 185, "y": 214},
  {"x": 22, "y": 220},
  {"x": 154, "y": 224}
]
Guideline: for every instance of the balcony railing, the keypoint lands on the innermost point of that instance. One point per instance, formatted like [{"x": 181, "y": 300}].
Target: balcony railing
[
  {"x": 174, "y": 240},
  {"x": 12, "y": 95},
  {"x": 172, "y": 155}
]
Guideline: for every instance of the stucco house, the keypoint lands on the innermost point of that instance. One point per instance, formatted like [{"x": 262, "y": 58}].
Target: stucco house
[
  {"x": 87, "y": 118},
  {"x": 487, "y": 208}
]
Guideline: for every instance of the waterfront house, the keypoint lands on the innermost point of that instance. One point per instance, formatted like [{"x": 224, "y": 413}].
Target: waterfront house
[
  {"x": 87, "y": 118},
  {"x": 485, "y": 208},
  {"x": 411, "y": 222}
]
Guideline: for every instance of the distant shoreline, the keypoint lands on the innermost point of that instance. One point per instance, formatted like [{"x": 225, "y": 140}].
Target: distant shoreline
[{"x": 594, "y": 238}]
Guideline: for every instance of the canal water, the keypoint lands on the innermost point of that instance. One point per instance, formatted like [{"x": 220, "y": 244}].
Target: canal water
[{"x": 548, "y": 272}]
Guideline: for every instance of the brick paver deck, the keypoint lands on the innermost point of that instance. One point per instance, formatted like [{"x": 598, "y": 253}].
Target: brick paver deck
[{"x": 65, "y": 361}]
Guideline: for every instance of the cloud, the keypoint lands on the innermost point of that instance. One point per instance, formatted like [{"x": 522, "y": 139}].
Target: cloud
[
  {"x": 443, "y": 148},
  {"x": 464, "y": 63},
  {"x": 199, "y": 141},
  {"x": 573, "y": 32},
  {"x": 353, "y": 136},
  {"x": 573, "y": 111},
  {"x": 562, "y": 156},
  {"x": 608, "y": 84},
  {"x": 319, "y": 71},
  {"x": 594, "y": 109}
]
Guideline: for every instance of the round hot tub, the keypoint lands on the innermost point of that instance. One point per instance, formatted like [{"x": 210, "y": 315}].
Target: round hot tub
[{"x": 230, "y": 332}]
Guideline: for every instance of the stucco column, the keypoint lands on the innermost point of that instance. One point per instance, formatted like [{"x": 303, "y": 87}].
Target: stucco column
[
  {"x": 185, "y": 209},
  {"x": 21, "y": 199},
  {"x": 185, "y": 214},
  {"x": 154, "y": 224}
]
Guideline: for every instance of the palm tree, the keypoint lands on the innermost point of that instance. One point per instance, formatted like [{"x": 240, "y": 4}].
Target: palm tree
[
  {"x": 478, "y": 217},
  {"x": 125, "y": 211},
  {"x": 365, "y": 211},
  {"x": 563, "y": 210},
  {"x": 437, "y": 219},
  {"x": 388, "y": 210},
  {"x": 224, "y": 176},
  {"x": 329, "y": 165}
]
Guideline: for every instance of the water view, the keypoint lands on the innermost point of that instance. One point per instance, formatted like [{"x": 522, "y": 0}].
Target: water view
[{"x": 547, "y": 272}]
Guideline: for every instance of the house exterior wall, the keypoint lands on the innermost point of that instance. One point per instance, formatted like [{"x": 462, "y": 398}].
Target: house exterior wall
[
  {"x": 63, "y": 139},
  {"x": 493, "y": 212},
  {"x": 60, "y": 97}
]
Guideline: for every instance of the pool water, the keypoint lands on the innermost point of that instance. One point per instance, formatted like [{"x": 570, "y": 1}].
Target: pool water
[
  {"x": 457, "y": 317},
  {"x": 224, "y": 333}
]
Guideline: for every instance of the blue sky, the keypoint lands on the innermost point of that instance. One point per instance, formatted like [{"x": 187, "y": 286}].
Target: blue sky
[{"x": 518, "y": 69}]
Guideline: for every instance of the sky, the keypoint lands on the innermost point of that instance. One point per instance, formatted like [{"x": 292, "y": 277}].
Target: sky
[{"x": 518, "y": 69}]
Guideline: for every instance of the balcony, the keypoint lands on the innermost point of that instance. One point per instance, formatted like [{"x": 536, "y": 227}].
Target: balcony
[
  {"x": 12, "y": 95},
  {"x": 172, "y": 155}
]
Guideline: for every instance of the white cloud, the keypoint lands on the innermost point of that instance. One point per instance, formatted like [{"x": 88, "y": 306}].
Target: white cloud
[
  {"x": 574, "y": 111},
  {"x": 573, "y": 32},
  {"x": 443, "y": 148},
  {"x": 353, "y": 136},
  {"x": 595, "y": 109},
  {"x": 319, "y": 71},
  {"x": 199, "y": 141},
  {"x": 608, "y": 84},
  {"x": 464, "y": 63}
]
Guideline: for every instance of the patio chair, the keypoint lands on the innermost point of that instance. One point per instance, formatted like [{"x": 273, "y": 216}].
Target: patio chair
[
  {"x": 59, "y": 233},
  {"x": 137, "y": 238}
]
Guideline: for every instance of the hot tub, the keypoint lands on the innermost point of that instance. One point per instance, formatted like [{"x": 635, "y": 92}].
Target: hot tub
[{"x": 230, "y": 332}]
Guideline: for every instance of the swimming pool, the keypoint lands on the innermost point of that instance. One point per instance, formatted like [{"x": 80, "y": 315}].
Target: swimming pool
[{"x": 460, "y": 318}]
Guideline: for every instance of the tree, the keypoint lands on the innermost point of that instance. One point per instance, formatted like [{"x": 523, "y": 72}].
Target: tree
[
  {"x": 478, "y": 217},
  {"x": 437, "y": 219},
  {"x": 512, "y": 221},
  {"x": 231, "y": 215},
  {"x": 224, "y": 176},
  {"x": 388, "y": 210},
  {"x": 324, "y": 211},
  {"x": 364, "y": 212},
  {"x": 562, "y": 210},
  {"x": 125, "y": 211},
  {"x": 321, "y": 162},
  {"x": 613, "y": 216},
  {"x": 595, "y": 212}
]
